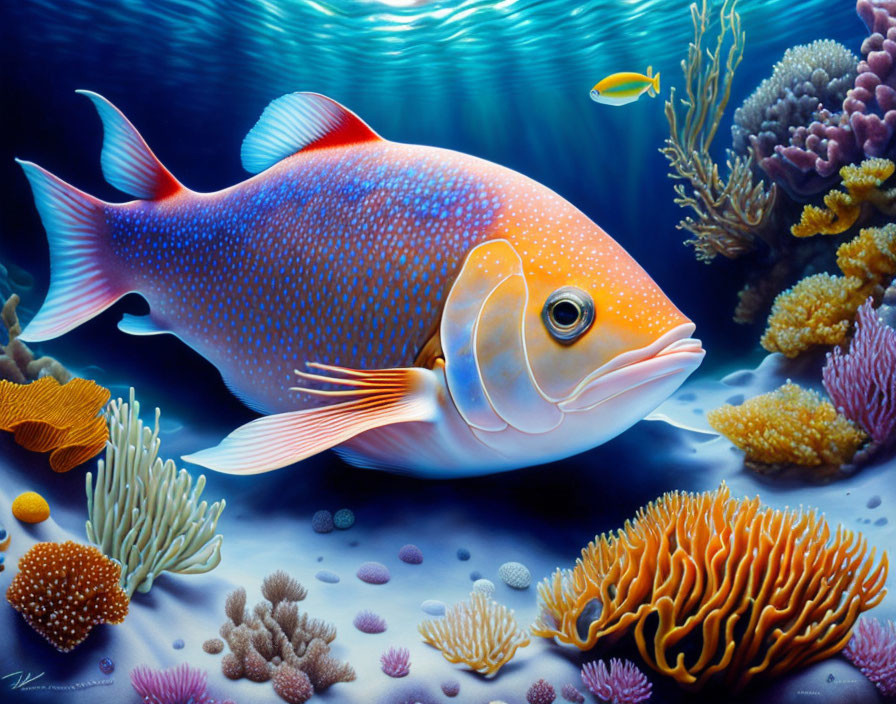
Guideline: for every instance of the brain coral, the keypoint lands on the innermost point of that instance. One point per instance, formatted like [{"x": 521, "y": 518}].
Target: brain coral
[
  {"x": 63, "y": 590},
  {"x": 789, "y": 426},
  {"x": 515, "y": 575},
  {"x": 712, "y": 588}
]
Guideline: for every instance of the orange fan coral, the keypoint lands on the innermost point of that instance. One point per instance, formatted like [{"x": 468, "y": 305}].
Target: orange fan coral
[
  {"x": 481, "y": 634},
  {"x": 61, "y": 419},
  {"x": 65, "y": 589},
  {"x": 716, "y": 589}
]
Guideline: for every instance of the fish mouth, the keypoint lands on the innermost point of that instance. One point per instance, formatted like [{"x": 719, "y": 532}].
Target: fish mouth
[{"x": 674, "y": 353}]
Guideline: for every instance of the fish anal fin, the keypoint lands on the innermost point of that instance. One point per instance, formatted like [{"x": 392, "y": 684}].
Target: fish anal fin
[
  {"x": 297, "y": 122},
  {"x": 140, "y": 325},
  {"x": 375, "y": 398}
]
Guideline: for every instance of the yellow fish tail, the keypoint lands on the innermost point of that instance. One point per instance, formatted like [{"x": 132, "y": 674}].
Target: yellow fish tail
[{"x": 655, "y": 83}]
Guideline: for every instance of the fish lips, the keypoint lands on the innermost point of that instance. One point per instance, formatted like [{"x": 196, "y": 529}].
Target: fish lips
[{"x": 675, "y": 353}]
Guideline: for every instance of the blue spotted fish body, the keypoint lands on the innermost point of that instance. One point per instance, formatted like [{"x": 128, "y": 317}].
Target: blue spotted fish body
[{"x": 414, "y": 308}]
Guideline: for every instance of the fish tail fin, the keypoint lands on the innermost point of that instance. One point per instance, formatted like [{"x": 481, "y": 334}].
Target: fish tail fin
[
  {"x": 80, "y": 286},
  {"x": 654, "y": 89}
]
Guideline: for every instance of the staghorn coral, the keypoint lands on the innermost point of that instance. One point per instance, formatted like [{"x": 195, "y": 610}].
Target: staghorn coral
[
  {"x": 789, "y": 426},
  {"x": 46, "y": 416},
  {"x": 65, "y": 589},
  {"x": 480, "y": 633},
  {"x": 620, "y": 683},
  {"x": 862, "y": 381},
  {"x": 177, "y": 685},
  {"x": 716, "y": 589},
  {"x": 872, "y": 649},
  {"x": 143, "y": 512},
  {"x": 274, "y": 633},
  {"x": 17, "y": 362}
]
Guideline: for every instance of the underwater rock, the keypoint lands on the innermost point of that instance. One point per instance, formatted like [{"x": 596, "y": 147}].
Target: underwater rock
[
  {"x": 515, "y": 575},
  {"x": 178, "y": 644},
  {"x": 463, "y": 554},
  {"x": 873, "y": 502},
  {"x": 410, "y": 554},
  {"x": 396, "y": 662},
  {"x": 433, "y": 607},
  {"x": 484, "y": 586},
  {"x": 30, "y": 507},
  {"x": 322, "y": 522},
  {"x": 327, "y": 576},
  {"x": 475, "y": 575},
  {"x": 369, "y": 622},
  {"x": 344, "y": 519},
  {"x": 450, "y": 688},
  {"x": 373, "y": 573},
  {"x": 541, "y": 693},
  {"x": 107, "y": 667}
]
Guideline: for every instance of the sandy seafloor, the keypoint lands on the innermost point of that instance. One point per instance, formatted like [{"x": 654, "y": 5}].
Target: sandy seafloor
[{"x": 541, "y": 516}]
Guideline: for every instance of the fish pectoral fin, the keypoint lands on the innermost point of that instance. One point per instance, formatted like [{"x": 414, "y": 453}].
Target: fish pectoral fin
[
  {"x": 375, "y": 398},
  {"x": 140, "y": 325},
  {"x": 300, "y": 121}
]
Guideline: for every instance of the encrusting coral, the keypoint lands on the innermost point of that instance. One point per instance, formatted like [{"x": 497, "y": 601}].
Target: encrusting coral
[
  {"x": 142, "y": 511},
  {"x": 17, "y": 362},
  {"x": 789, "y": 426},
  {"x": 46, "y": 416},
  {"x": 716, "y": 590},
  {"x": 480, "y": 633},
  {"x": 65, "y": 589},
  {"x": 274, "y": 635}
]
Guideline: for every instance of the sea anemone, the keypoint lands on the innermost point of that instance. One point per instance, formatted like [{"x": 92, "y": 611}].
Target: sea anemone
[
  {"x": 620, "y": 683},
  {"x": 541, "y": 693},
  {"x": 396, "y": 662},
  {"x": 369, "y": 622},
  {"x": 872, "y": 649},
  {"x": 177, "y": 685}
]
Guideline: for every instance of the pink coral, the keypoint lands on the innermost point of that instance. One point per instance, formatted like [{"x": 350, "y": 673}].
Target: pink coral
[
  {"x": 369, "y": 622},
  {"x": 396, "y": 662},
  {"x": 621, "y": 683},
  {"x": 862, "y": 382},
  {"x": 872, "y": 649},
  {"x": 177, "y": 685},
  {"x": 541, "y": 693}
]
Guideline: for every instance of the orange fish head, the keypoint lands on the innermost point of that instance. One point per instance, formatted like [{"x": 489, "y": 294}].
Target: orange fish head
[{"x": 556, "y": 340}]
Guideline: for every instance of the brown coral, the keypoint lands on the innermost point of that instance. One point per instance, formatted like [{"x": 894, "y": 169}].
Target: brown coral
[
  {"x": 275, "y": 634},
  {"x": 480, "y": 633},
  {"x": 45, "y": 416},
  {"x": 716, "y": 590},
  {"x": 789, "y": 426},
  {"x": 17, "y": 362},
  {"x": 65, "y": 589}
]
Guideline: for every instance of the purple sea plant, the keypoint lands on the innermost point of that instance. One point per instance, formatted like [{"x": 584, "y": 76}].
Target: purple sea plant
[
  {"x": 872, "y": 649},
  {"x": 620, "y": 683},
  {"x": 177, "y": 685},
  {"x": 396, "y": 662},
  {"x": 541, "y": 693},
  {"x": 369, "y": 622},
  {"x": 571, "y": 694},
  {"x": 862, "y": 382}
]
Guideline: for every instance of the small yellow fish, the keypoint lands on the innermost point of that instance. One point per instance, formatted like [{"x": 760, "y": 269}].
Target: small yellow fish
[{"x": 622, "y": 88}]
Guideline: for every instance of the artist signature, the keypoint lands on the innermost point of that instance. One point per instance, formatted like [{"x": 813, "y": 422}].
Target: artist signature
[{"x": 24, "y": 678}]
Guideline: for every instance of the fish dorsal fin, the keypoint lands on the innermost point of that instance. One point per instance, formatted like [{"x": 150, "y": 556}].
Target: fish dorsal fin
[
  {"x": 300, "y": 121},
  {"x": 128, "y": 163},
  {"x": 650, "y": 71}
]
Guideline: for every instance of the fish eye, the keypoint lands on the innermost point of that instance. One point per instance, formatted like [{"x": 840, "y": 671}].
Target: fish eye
[{"x": 568, "y": 313}]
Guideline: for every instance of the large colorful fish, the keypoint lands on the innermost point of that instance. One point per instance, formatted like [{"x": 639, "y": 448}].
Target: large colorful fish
[{"x": 443, "y": 315}]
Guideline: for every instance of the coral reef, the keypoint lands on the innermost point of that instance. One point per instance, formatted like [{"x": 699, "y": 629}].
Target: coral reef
[
  {"x": 410, "y": 554},
  {"x": 65, "y": 589},
  {"x": 62, "y": 419},
  {"x": 789, "y": 426},
  {"x": 373, "y": 573},
  {"x": 620, "y": 683},
  {"x": 396, "y": 662},
  {"x": 872, "y": 649},
  {"x": 716, "y": 589},
  {"x": 515, "y": 575},
  {"x": 176, "y": 685},
  {"x": 369, "y": 622},
  {"x": 17, "y": 362},
  {"x": 862, "y": 381},
  {"x": 541, "y": 693},
  {"x": 275, "y": 633},
  {"x": 480, "y": 633},
  {"x": 30, "y": 507},
  {"x": 142, "y": 511}
]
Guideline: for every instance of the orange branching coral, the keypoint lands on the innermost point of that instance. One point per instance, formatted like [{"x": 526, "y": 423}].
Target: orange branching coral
[
  {"x": 65, "y": 589},
  {"x": 716, "y": 590},
  {"x": 46, "y": 416},
  {"x": 480, "y": 633},
  {"x": 789, "y": 426},
  {"x": 862, "y": 183},
  {"x": 870, "y": 257}
]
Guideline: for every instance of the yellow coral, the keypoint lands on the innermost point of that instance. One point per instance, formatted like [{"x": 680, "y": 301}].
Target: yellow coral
[
  {"x": 30, "y": 507},
  {"x": 480, "y": 633},
  {"x": 715, "y": 588},
  {"x": 871, "y": 256},
  {"x": 791, "y": 425},
  {"x": 862, "y": 183}
]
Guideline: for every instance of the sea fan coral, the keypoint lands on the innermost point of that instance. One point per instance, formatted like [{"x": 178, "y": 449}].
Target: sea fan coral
[
  {"x": 715, "y": 588},
  {"x": 145, "y": 513},
  {"x": 872, "y": 649},
  {"x": 65, "y": 589},
  {"x": 480, "y": 633},
  {"x": 396, "y": 662},
  {"x": 17, "y": 362},
  {"x": 177, "y": 685},
  {"x": 789, "y": 426},
  {"x": 862, "y": 382},
  {"x": 620, "y": 683},
  {"x": 45, "y": 416}
]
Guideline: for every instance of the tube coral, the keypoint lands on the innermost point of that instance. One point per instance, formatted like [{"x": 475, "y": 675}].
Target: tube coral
[
  {"x": 872, "y": 649},
  {"x": 789, "y": 426},
  {"x": 712, "y": 588},
  {"x": 480, "y": 633},
  {"x": 65, "y": 589},
  {"x": 145, "y": 513}
]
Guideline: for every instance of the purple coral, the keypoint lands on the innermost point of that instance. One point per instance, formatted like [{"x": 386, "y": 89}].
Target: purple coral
[
  {"x": 177, "y": 685},
  {"x": 541, "y": 693},
  {"x": 396, "y": 662},
  {"x": 410, "y": 554},
  {"x": 571, "y": 694},
  {"x": 862, "y": 382},
  {"x": 620, "y": 683},
  {"x": 373, "y": 573},
  {"x": 369, "y": 622},
  {"x": 322, "y": 522},
  {"x": 872, "y": 649},
  {"x": 450, "y": 688}
]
